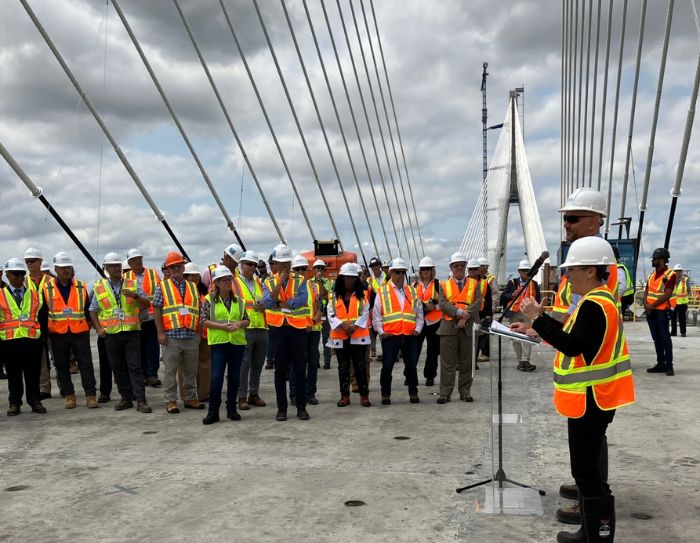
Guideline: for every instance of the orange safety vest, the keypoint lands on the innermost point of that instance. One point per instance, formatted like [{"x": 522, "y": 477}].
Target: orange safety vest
[
  {"x": 562, "y": 299},
  {"x": 656, "y": 287},
  {"x": 529, "y": 292},
  {"x": 66, "y": 317},
  {"x": 398, "y": 320},
  {"x": 19, "y": 322},
  {"x": 609, "y": 373},
  {"x": 297, "y": 318},
  {"x": 461, "y": 300},
  {"x": 151, "y": 280},
  {"x": 179, "y": 312},
  {"x": 349, "y": 316},
  {"x": 427, "y": 294}
]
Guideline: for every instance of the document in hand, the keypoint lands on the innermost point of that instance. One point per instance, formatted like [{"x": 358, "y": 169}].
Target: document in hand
[{"x": 503, "y": 330}]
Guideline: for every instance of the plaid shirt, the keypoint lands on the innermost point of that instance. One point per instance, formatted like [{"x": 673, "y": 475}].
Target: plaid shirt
[{"x": 177, "y": 333}]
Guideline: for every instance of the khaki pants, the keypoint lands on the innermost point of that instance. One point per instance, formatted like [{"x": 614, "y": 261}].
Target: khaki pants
[
  {"x": 456, "y": 355},
  {"x": 203, "y": 373},
  {"x": 176, "y": 352},
  {"x": 522, "y": 350}
]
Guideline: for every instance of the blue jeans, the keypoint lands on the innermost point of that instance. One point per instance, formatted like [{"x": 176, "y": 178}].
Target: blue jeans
[
  {"x": 225, "y": 356},
  {"x": 408, "y": 345},
  {"x": 289, "y": 345},
  {"x": 658, "y": 326}
]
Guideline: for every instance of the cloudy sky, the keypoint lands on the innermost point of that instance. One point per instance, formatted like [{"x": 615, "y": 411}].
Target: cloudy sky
[{"x": 434, "y": 53}]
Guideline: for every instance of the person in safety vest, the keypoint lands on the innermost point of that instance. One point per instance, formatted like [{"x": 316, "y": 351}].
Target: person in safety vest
[
  {"x": 148, "y": 279},
  {"x": 397, "y": 318},
  {"x": 592, "y": 378},
  {"x": 251, "y": 288},
  {"x": 428, "y": 290},
  {"x": 348, "y": 315},
  {"x": 231, "y": 257},
  {"x": 68, "y": 305},
  {"x": 274, "y": 268},
  {"x": 625, "y": 284},
  {"x": 515, "y": 314},
  {"x": 679, "y": 301},
  {"x": 313, "y": 334},
  {"x": 224, "y": 315},
  {"x": 460, "y": 300},
  {"x": 114, "y": 311},
  {"x": 473, "y": 268},
  {"x": 177, "y": 312},
  {"x": 324, "y": 287},
  {"x": 286, "y": 301},
  {"x": 20, "y": 338},
  {"x": 657, "y": 295},
  {"x": 484, "y": 346},
  {"x": 377, "y": 278}
]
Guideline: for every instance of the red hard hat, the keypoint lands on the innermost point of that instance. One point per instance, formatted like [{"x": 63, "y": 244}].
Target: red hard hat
[{"x": 173, "y": 258}]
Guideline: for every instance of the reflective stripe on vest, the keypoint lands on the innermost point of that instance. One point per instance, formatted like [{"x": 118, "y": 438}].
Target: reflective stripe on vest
[
  {"x": 396, "y": 318},
  {"x": 116, "y": 317},
  {"x": 562, "y": 299},
  {"x": 529, "y": 292},
  {"x": 629, "y": 286},
  {"x": 31, "y": 285},
  {"x": 179, "y": 312},
  {"x": 656, "y": 287},
  {"x": 312, "y": 292},
  {"x": 298, "y": 318},
  {"x": 427, "y": 294},
  {"x": 68, "y": 316},
  {"x": 219, "y": 313},
  {"x": 257, "y": 318},
  {"x": 681, "y": 291},
  {"x": 348, "y": 316},
  {"x": 461, "y": 300},
  {"x": 150, "y": 281},
  {"x": 609, "y": 373},
  {"x": 19, "y": 322}
]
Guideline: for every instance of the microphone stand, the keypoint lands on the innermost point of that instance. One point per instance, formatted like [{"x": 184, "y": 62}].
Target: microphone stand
[{"x": 500, "y": 476}]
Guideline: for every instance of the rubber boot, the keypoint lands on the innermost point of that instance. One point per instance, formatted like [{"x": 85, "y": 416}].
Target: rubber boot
[
  {"x": 599, "y": 518},
  {"x": 580, "y": 535}
]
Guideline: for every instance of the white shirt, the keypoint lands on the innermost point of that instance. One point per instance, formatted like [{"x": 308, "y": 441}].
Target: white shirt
[{"x": 377, "y": 311}]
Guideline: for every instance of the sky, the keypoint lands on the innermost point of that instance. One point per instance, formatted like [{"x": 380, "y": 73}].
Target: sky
[{"x": 434, "y": 53}]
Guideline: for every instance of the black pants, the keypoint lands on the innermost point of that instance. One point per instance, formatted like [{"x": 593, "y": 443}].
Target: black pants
[
  {"x": 679, "y": 316},
  {"x": 355, "y": 355},
  {"x": 124, "y": 353},
  {"x": 586, "y": 441},
  {"x": 150, "y": 349},
  {"x": 23, "y": 360},
  {"x": 79, "y": 345},
  {"x": 105, "y": 368},
  {"x": 289, "y": 345},
  {"x": 429, "y": 334},
  {"x": 391, "y": 347}
]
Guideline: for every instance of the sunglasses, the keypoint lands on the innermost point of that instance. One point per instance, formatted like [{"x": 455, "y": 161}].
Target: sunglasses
[
  {"x": 573, "y": 219},
  {"x": 32, "y": 260},
  {"x": 301, "y": 269},
  {"x": 249, "y": 264}
]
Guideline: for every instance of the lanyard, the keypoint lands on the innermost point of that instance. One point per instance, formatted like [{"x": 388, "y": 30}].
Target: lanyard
[{"x": 117, "y": 293}]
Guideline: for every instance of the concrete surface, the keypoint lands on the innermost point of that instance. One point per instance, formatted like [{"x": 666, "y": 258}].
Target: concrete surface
[{"x": 100, "y": 475}]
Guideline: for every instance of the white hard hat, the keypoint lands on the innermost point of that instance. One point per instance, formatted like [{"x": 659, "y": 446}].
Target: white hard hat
[
  {"x": 677, "y": 267},
  {"x": 319, "y": 263},
  {"x": 589, "y": 251},
  {"x": 524, "y": 265},
  {"x": 15, "y": 264},
  {"x": 221, "y": 271},
  {"x": 348, "y": 270},
  {"x": 33, "y": 253},
  {"x": 281, "y": 253},
  {"x": 585, "y": 199},
  {"x": 300, "y": 262},
  {"x": 386, "y": 262},
  {"x": 249, "y": 256},
  {"x": 45, "y": 266},
  {"x": 133, "y": 253},
  {"x": 483, "y": 261},
  {"x": 398, "y": 264},
  {"x": 191, "y": 268},
  {"x": 125, "y": 265},
  {"x": 473, "y": 263},
  {"x": 62, "y": 260},
  {"x": 458, "y": 257},
  {"x": 426, "y": 262},
  {"x": 112, "y": 258},
  {"x": 234, "y": 251}
]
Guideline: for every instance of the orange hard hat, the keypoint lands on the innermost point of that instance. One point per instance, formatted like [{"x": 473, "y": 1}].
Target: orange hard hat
[{"x": 173, "y": 258}]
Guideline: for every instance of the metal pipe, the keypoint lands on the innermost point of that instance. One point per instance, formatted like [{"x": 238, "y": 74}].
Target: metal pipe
[
  {"x": 574, "y": 183},
  {"x": 605, "y": 94},
  {"x": 595, "y": 84},
  {"x": 580, "y": 93},
  {"x": 585, "y": 100}
]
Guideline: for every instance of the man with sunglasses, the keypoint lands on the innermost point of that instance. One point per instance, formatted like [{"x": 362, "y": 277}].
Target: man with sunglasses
[{"x": 36, "y": 279}]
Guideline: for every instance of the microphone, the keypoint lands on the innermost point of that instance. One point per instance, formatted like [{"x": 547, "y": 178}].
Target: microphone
[{"x": 538, "y": 264}]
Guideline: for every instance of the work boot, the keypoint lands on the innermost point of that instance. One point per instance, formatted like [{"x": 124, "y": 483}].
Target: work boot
[
  {"x": 255, "y": 401},
  {"x": 38, "y": 408},
  {"x": 580, "y": 535},
  {"x": 442, "y": 399},
  {"x": 526, "y": 366},
  {"x": 103, "y": 398},
  {"x": 153, "y": 382},
  {"x": 243, "y": 404},
  {"x": 194, "y": 404},
  {"x": 364, "y": 401},
  {"x": 569, "y": 492},
  {"x": 599, "y": 518},
  {"x": 386, "y": 400},
  {"x": 281, "y": 415},
  {"x": 92, "y": 402},
  {"x": 143, "y": 407},
  {"x": 302, "y": 414},
  {"x": 13, "y": 410},
  {"x": 570, "y": 514},
  {"x": 414, "y": 399},
  {"x": 123, "y": 404},
  {"x": 233, "y": 414},
  {"x": 670, "y": 372},
  {"x": 483, "y": 358},
  {"x": 70, "y": 402},
  {"x": 658, "y": 368},
  {"x": 326, "y": 365},
  {"x": 171, "y": 407},
  {"x": 211, "y": 418},
  {"x": 313, "y": 400},
  {"x": 430, "y": 382},
  {"x": 344, "y": 401}
]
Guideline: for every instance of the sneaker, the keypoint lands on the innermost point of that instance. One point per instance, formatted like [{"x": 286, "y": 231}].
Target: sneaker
[
  {"x": 344, "y": 401},
  {"x": 483, "y": 358},
  {"x": 243, "y": 404},
  {"x": 443, "y": 399},
  {"x": 171, "y": 407},
  {"x": 571, "y": 514},
  {"x": 281, "y": 415},
  {"x": 233, "y": 415},
  {"x": 302, "y": 414},
  {"x": 430, "y": 382},
  {"x": 211, "y": 418},
  {"x": 143, "y": 407},
  {"x": 386, "y": 400},
  {"x": 364, "y": 401},
  {"x": 123, "y": 404}
]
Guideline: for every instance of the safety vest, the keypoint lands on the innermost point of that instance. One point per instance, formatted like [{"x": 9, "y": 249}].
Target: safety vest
[
  {"x": 427, "y": 294},
  {"x": 529, "y": 292},
  {"x": 656, "y": 287},
  {"x": 629, "y": 285},
  {"x": 398, "y": 320},
  {"x": 297, "y": 318},
  {"x": 680, "y": 293},
  {"x": 313, "y": 294},
  {"x": 19, "y": 322},
  {"x": 179, "y": 312},
  {"x": 219, "y": 313},
  {"x": 349, "y": 316},
  {"x": 31, "y": 285},
  {"x": 151, "y": 280},
  {"x": 562, "y": 299},
  {"x": 609, "y": 373},
  {"x": 116, "y": 315},
  {"x": 257, "y": 318},
  {"x": 376, "y": 284},
  {"x": 461, "y": 300},
  {"x": 68, "y": 316}
]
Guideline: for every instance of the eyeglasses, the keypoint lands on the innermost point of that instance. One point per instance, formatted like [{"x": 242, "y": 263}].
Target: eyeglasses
[
  {"x": 177, "y": 266},
  {"x": 573, "y": 219},
  {"x": 20, "y": 273},
  {"x": 301, "y": 269}
]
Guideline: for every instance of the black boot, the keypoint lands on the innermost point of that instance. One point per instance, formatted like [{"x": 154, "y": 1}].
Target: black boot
[
  {"x": 567, "y": 537},
  {"x": 599, "y": 518}
]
